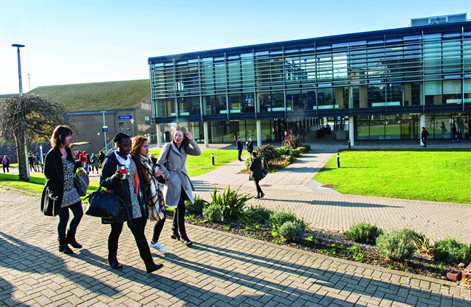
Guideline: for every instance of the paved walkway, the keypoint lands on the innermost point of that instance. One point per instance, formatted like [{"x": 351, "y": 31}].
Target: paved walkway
[{"x": 221, "y": 270}]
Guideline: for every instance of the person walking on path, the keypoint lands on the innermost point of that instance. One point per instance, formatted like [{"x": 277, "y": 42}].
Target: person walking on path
[
  {"x": 93, "y": 163},
  {"x": 59, "y": 170},
  {"x": 256, "y": 169},
  {"x": 423, "y": 136},
  {"x": 140, "y": 149},
  {"x": 178, "y": 187},
  {"x": 250, "y": 145},
  {"x": 6, "y": 164},
  {"x": 453, "y": 133},
  {"x": 240, "y": 147},
  {"x": 121, "y": 175}
]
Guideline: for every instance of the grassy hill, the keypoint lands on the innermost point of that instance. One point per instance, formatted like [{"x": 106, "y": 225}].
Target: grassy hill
[{"x": 96, "y": 96}]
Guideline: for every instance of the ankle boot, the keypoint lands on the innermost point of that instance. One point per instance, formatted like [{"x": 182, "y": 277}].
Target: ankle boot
[
  {"x": 175, "y": 235},
  {"x": 115, "y": 264},
  {"x": 71, "y": 240},
  {"x": 63, "y": 247},
  {"x": 152, "y": 267}
]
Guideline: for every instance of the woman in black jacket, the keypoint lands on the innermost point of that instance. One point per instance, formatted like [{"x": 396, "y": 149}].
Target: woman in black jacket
[
  {"x": 121, "y": 175},
  {"x": 256, "y": 167},
  {"x": 59, "y": 169}
]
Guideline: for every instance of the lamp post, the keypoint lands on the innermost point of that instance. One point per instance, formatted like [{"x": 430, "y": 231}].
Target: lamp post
[
  {"x": 105, "y": 129},
  {"x": 18, "y": 46}
]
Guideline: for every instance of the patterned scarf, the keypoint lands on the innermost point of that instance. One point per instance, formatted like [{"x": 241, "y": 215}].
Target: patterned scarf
[{"x": 154, "y": 194}]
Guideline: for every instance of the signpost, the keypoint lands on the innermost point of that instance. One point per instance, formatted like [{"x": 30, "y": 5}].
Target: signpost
[{"x": 125, "y": 117}]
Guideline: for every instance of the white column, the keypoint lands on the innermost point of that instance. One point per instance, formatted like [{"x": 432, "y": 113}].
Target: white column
[
  {"x": 159, "y": 135},
  {"x": 205, "y": 133},
  {"x": 351, "y": 130},
  {"x": 422, "y": 124},
  {"x": 259, "y": 132}
]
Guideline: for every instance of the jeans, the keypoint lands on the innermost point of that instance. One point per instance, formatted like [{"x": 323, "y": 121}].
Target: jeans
[
  {"x": 64, "y": 218},
  {"x": 178, "y": 225},
  {"x": 240, "y": 154}
]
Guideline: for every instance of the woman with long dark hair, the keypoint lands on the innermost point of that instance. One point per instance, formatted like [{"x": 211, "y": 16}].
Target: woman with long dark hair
[
  {"x": 178, "y": 187},
  {"x": 59, "y": 169},
  {"x": 140, "y": 149},
  {"x": 121, "y": 175}
]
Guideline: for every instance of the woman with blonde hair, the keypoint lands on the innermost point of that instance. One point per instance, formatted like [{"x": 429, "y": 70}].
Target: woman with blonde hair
[
  {"x": 178, "y": 187},
  {"x": 140, "y": 150}
]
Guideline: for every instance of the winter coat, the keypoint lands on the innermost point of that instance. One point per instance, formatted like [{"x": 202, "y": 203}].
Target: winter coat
[
  {"x": 256, "y": 167},
  {"x": 111, "y": 181},
  {"x": 239, "y": 145},
  {"x": 176, "y": 174},
  {"x": 54, "y": 172},
  {"x": 250, "y": 146}
]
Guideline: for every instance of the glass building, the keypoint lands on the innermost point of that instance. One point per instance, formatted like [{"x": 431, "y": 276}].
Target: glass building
[{"x": 379, "y": 85}]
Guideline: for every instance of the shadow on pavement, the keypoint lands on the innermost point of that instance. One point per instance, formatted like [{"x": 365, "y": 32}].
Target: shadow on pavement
[{"x": 331, "y": 203}]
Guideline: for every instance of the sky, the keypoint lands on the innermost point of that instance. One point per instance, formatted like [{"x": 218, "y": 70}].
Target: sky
[{"x": 82, "y": 41}]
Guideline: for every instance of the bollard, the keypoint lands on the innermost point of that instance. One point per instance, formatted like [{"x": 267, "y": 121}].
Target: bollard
[
  {"x": 212, "y": 159},
  {"x": 338, "y": 160}
]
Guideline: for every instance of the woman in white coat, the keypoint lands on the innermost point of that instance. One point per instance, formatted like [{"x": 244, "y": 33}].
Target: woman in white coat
[{"x": 178, "y": 187}]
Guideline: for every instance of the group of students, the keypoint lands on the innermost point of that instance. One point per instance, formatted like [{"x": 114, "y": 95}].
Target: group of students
[{"x": 135, "y": 188}]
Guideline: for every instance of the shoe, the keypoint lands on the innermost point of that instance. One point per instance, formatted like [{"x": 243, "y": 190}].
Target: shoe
[
  {"x": 64, "y": 248},
  {"x": 187, "y": 242},
  {"x": 257, "y": 197},
  {"x": 74, "y": 243},
  {"x": 154, "y": 267},
  {"x": 158, "y": 247},
  {"x": 115, "y": 264},
  {"x": 263, "y": 195},
  {"x": 175, "y": 236}
]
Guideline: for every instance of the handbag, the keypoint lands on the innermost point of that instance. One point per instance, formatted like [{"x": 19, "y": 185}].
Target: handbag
[
  {"x": 49, "y": 207},
  {"x": 161, "y": 178},
  {"x": 103, "y": 203},
  {"x": 264, "y": 168},
  {"x": 81, "y": 182}
]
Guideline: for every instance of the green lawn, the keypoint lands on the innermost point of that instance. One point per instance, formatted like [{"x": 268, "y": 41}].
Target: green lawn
[
  {"x": 423, "y": 174},
  {"x": 202, "y": 164}
]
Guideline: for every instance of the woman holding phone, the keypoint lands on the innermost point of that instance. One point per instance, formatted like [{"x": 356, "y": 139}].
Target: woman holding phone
[{"x": 178, "y": 187}]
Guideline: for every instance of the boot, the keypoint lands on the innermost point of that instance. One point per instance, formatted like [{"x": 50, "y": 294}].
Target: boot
[
  {"x": 152, "y": 267},
  {"x": 114, "y": 264},
  {"x": 186, "y": 240},
  {"x": 175, "y": 235},
  {"x": 63, "y": 247},
  {"x": 71, "y": 240}
]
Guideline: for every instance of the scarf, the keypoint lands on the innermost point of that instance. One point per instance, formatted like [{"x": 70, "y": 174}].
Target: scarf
[{"x": 154, "y": 194}]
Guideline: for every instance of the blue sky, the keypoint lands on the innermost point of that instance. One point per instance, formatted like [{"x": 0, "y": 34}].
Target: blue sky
[{"x": 92, "y": 41}]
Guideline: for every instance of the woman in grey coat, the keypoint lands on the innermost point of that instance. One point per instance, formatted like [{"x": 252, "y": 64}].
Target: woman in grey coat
[{"x": 178, "y": 187}]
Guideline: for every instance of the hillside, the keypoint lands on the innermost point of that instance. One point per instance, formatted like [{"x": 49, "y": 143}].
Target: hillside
[{"x": 96, "y": 96}]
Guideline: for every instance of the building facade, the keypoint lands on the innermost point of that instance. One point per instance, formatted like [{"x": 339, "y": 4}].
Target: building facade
[{"x": 379, "y": 85}]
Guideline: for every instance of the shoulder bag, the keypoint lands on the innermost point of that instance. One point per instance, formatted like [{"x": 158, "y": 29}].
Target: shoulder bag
[{"x": 103, "y": 203}]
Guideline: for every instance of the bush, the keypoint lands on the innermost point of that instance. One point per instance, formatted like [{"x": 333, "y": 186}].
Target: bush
[
  {"x": 279, "y": 218},
  {"x": 295, "y": 152},
  {"x": 257, "y": 215},
  {"x": 213, "y": 213},
  {"x": 231, "y": 202},
  {"x": 197, "y": 207},
  {"x": 307, "y": 146},
  {"x": 396, "y": 245},
  {"x": 268, "y": 152},
  {"x": 364, "y": 233},
  {"x": 292, "y": 142},
  {"x": 292, "y": 230},
  {"x": 302, "y": 149},
  {"x": 451, "y": 251},
  {"x": 421, "y": 242},
  {"x": 283, "y": 150}
]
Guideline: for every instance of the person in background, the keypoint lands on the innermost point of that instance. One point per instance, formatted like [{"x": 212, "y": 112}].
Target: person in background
[
  {"x": 121, "y": 175},
  {"x": 250, "y": 145},
  {"x": 423, "y": 136},
  {"x": 6, "y": 164},
  {"x": 178, "y": 187},
  {"x": 240, "y": 147},
  {"x": 59, "y": 170},
  {"x": 94, "y": 163},
  {"x": 256, "y": 167}
]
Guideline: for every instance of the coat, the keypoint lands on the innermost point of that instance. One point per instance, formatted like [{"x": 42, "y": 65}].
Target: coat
[
  {"x": 54, "y": 172},
  {"x": 256, "y": 167},
  {"x": 110, "y": 180},
  {"x": 176, "y": 175}
]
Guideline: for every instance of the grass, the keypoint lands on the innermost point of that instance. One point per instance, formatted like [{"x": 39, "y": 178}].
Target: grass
[
  {"x": 436, "y": 175},
  {"x": 202, "y": 164}
]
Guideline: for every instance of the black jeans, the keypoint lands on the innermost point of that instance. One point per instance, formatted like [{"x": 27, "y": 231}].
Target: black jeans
[
  {"x": 137, "y": 229},
  {"x": 159, "y": 225},
  {"x": 64, "y": 218},
  {"x": 7, "y": 168},
  {"x": 259, "y": 189},
  {"x": 178, "y": 225},
  {"x": 240, "y": 154}
]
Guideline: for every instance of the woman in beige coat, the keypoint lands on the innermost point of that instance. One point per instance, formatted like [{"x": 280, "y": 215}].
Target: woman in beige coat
[{"x": 178, "y": 187}]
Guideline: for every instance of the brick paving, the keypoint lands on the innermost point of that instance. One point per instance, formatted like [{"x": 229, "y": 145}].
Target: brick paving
[{"x": 220, "y": 270}]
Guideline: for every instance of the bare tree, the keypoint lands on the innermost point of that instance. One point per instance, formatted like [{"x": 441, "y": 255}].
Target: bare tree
[{"x": 28, "y": 118}]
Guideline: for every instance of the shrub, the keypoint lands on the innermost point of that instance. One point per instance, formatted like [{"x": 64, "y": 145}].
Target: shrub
[
  {"x": 197, "y": 207},
  {"x": 307, "y": 146},
  {"x": 396, "y": 245},
  {"x": 257, "y": 215},
  {"x": 268, "y": 152},
  {"x": 421, "y": 242},
  {"x": 302, "y": 149},
  {"x": 451, "y": 251},
  {"x": 283, "y": 150},
  {"x": 279, "y": 218},
  {"x": 292, "y": 230},
  {"x": 213, "y": 213},
  {"x": 230, "y": 201},
  {"x": 364, "y": 233},
  {"x": 295, "y": 152},
  {"x": 292, "y": 142}
]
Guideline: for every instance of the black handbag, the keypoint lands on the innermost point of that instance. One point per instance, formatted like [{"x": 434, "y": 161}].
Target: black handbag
[
  {"x": 103, "y": 203},
  {"x": 161, "y": 178},
  {"x": 81, "y": 182},
  {"x": 49, "y": 207}
]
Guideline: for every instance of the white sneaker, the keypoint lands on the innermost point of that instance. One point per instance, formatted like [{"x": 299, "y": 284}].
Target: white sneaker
[{"x": 158, "y": 247}]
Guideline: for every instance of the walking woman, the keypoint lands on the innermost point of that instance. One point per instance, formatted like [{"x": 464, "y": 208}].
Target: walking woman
[
  {"x": 59, "y": 169},
  {"x": 121, "y": 175},
  {"x": 256, "y": 167},
  {"x": 178, "y": 187},
  {"x": 140, "y": 149}
]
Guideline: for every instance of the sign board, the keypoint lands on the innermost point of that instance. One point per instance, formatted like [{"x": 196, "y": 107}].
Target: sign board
[
  {"x": 105, "y": 128},
  {"x": 125, "y": 117}
]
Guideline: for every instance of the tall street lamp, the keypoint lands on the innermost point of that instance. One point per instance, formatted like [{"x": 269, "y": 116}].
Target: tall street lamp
[{"x": 18, "y": 46}]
